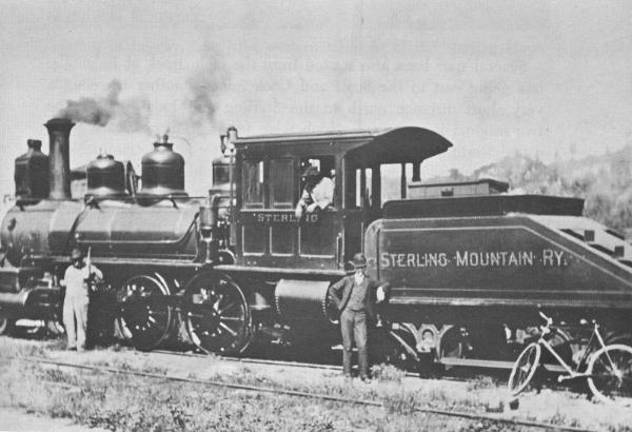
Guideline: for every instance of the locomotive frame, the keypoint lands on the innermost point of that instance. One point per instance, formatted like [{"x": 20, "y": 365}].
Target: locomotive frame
[{"x": 238, "y": 266}]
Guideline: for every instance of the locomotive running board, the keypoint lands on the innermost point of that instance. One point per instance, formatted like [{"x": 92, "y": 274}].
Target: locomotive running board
[{"x": 492, "y": 364}]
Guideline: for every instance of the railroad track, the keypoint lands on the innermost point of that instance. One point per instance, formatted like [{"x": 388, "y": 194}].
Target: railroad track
[
  {"x": 295, "y": 393},
  {"x": 255, "y": 361},
  {"x": 297, "y": 364}
]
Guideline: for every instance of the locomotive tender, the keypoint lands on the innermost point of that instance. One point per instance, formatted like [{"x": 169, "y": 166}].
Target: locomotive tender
[{"x": 466, "y": 272}]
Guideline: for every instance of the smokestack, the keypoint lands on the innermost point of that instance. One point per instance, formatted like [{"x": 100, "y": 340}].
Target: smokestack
[{"x": 59, "y": 158}]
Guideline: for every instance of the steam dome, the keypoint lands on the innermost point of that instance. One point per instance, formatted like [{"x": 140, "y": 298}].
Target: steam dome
[
  {"x": 163, "y": 171},
  {"x": 106, "y": 177}
]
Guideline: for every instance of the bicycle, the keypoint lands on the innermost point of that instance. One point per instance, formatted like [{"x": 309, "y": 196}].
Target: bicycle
[{"x": 608, "y": 367}]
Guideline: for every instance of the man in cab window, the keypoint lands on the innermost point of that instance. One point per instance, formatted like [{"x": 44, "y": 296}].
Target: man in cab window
[{"x": 318, "y": 192}]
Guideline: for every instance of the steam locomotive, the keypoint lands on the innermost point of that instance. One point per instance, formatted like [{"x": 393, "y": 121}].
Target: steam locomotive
[{"x": 467, "y": 263}]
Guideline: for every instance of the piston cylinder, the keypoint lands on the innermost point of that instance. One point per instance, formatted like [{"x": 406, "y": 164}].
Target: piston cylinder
[{"x": 304, "y": 300}]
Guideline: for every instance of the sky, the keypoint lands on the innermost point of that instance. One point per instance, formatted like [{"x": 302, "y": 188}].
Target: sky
[{"x": 549, "y": 79}]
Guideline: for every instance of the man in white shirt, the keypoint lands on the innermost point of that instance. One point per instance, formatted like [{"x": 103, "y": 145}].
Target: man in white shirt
[
  {"x": 77, "y": 279},
  {"x": 318, "y": 192}
]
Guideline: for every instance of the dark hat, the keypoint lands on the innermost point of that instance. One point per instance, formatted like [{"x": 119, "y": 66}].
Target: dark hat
[
  {"x": 76, "y": 253},
  {"x": 358, "y": 261},
  {"x": 310, "y": 171}
]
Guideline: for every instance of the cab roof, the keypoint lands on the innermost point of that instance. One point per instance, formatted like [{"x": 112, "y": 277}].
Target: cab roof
[{"x": 393, "y": 145}]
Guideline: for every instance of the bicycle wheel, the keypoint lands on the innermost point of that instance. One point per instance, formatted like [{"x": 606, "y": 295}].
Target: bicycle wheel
[
  {"x": 524, "y": 368},
  {"x": 610, "y": 372}
]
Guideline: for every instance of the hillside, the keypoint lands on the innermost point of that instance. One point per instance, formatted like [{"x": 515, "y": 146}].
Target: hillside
[{"x": 604, "y": 181}]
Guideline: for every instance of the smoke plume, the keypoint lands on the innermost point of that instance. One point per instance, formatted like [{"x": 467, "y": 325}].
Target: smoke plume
[
  {"x": 204, "y": 85},
  {"x": 127, "y": 115}
]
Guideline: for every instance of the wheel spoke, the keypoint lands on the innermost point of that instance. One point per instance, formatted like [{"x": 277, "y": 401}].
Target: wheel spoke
[
  {"x": 231, "y": 318},
  {"x": 155, "y": 313},
  {"x": 228, "y": 329},
  {"x": 226, "y": 308}
]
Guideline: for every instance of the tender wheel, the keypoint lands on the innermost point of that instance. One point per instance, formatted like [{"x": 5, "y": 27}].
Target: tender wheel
[
  {"x": 610, "y": 371},
  {"x": 453, "y": 343},
  {"x": 388, "y": 347},
  {"x": 489, "y": 341},
  {"x": 7, "y": 325},
  {"x": 524, "y": 368},
  {"x": 217, "y": 315},
  {"x": 145, "y": 317}
]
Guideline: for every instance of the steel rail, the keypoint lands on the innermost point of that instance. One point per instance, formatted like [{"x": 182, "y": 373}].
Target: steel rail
[
  {"x": 296, "y": 393},
  {"x": 288, "y": 363},
  {"x": 248, "y": 360}
]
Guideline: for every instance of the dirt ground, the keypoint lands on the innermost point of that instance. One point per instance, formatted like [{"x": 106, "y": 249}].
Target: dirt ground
[
  {"x": 552, "y": 406},
  {"x": 17, "y": 420}
]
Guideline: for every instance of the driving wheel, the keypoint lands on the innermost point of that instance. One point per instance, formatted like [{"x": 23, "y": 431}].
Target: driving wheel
[{"x": 217, "y": 314}]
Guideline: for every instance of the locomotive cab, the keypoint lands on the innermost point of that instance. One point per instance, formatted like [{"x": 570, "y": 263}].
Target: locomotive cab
[{"x": 268, "y": 182}]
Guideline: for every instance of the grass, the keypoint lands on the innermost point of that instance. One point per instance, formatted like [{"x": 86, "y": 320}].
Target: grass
[
  {"x": 128, "y": 403},
  {"x": 482, "y": 382}
]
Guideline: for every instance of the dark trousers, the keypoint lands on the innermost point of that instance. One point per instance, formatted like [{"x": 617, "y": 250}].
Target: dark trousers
[{"x": 353, "y": 328}]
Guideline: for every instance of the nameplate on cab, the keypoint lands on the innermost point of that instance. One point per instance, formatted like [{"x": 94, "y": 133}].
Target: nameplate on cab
[{"x": 277, "y": 217}]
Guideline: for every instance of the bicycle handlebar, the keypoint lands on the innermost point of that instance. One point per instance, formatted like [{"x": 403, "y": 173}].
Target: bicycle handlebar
[
  {"x": 546, "y": 318},
  {"x": 549, "y": 322}
]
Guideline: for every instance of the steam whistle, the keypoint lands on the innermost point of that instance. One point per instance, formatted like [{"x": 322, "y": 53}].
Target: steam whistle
[{"x": 227, "y": 145}]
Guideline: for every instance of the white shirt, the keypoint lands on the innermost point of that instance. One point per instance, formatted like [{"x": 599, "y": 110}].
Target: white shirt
[
  {"x": 76, "y": 279},
  {"x": 322, "y": 194}
]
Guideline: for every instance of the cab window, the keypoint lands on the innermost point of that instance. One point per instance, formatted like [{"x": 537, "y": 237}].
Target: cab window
[
  {"x": 252, "y": 183},
  {"x": 325, "y": 165},
  {"x": 363, "y": 190},
  {"x": 281, "y": 183}
]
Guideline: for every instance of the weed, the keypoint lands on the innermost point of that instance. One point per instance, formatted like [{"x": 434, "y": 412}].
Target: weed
[
  {"x": 481, "y": 382},
  {"x": 620, "y": 428},
  {"x": 387, "y": 373},
  {"x": 400, "y": 403},
  {"x": 557, "y": 419},
  {"x": 489, "y": 426}
]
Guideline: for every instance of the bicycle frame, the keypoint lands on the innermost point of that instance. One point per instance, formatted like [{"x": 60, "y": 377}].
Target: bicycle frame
[{"x": 572, "y": 372}]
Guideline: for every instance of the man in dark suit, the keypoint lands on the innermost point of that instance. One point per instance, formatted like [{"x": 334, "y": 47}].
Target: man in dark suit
[{"x": 356, "y": 296}]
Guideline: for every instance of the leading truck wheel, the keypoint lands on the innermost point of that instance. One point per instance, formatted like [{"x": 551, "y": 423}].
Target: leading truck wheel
[
  {"x": 145, "y": 317},
  {"x": 524, "y": 368},
  {"x": 217, "y": 314},
  {"x": 610, "y": 372}
]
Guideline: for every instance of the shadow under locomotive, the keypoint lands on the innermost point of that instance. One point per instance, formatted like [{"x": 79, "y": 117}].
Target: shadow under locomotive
[{"x": 467, "y": 263}]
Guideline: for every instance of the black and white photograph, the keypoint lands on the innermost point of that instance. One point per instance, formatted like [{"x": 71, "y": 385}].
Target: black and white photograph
[{"x": 316, "y": 216}]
